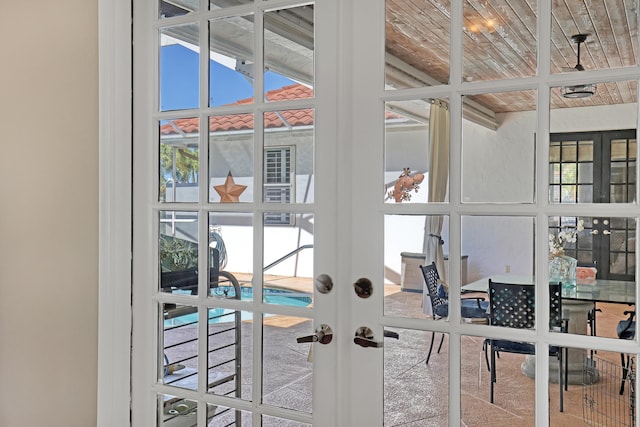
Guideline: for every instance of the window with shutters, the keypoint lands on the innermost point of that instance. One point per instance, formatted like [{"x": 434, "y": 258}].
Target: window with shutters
[{"x": 279, "y": 182}]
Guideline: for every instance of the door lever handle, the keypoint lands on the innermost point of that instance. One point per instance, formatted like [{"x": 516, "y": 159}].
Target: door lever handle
[
  {"x": 324, "y": 335},
  {"x": 364, "y": 338},
  {"x": 367, "y": 342}
]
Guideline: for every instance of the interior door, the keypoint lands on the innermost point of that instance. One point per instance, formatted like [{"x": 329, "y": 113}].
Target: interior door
[{"x": 234, "y": 214}]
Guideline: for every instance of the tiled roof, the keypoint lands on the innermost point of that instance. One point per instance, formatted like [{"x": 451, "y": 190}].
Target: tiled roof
[{"x": 236, "y": 122}]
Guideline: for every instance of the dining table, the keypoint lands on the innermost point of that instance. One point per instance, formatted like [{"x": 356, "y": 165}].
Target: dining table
[{"x": 577, "y": 300}]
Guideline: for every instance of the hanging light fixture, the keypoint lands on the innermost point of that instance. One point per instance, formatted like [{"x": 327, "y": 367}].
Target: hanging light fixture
[{"x": 580, "y": 90}]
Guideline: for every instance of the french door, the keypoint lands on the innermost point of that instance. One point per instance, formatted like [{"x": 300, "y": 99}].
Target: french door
[
  {"x": 293, "y": 168},
  {"x": 236, "y": 274}
]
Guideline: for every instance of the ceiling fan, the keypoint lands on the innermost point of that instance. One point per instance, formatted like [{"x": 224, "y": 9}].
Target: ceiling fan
[{"x": 579, "y": 91}]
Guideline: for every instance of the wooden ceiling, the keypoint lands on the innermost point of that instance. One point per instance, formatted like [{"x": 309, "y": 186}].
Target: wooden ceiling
[{"x": 499, "y": 42}]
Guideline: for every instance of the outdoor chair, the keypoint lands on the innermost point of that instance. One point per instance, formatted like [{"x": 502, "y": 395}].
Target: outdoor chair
[
  {"x": 472, "y": 307},
  {"x": 513, "y": 306},
  {"x": 626, "y": 331}
]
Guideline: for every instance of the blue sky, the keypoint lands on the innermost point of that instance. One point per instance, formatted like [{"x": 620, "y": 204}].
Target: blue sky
[{"x": 179, "y": 80}]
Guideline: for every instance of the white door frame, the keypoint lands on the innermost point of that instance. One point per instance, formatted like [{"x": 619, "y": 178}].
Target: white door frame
[{"x": 114, "y": 300}]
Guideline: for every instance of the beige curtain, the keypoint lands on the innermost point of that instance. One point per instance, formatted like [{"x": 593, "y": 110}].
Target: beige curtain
[{"x": 438, "y": 183}]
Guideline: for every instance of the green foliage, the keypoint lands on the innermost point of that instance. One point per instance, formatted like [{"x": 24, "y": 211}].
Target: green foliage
[
  {"x": 177, "y": 254},
  {"x": 186, "y": 165}
]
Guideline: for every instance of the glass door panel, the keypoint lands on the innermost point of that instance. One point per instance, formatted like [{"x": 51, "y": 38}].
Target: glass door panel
[
  {"x": 415, "y": 393},
  {"x": 289, "y": 47},
  {"x": 288, "y": 259},
  {"x": 179, "y": 160},
  {"x": 498, "y": 154},
  {"x": 179, "y": 75},
  {"x": 231, "y": 48},
  {"x": 407, "y": 21},
  {"x": 407, "y": 146},
  {"x": 490, "y": 38}
]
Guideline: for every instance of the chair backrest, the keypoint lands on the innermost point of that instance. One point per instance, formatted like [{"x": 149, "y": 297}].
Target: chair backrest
[
  {"x": 432, "y": 279},
  {"x": 513, "y": 305},
  {"x": 555, "y": 305}
]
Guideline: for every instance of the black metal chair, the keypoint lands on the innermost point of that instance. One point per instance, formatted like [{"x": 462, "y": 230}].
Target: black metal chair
[
  {"x": 472, "y": 307},
  {"x": 626, "y": 331},
  {"x": 513, "y": 306}
]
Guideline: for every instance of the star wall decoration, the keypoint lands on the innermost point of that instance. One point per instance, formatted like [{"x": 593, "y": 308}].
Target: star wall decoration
[{"x": 229, "y": 191}]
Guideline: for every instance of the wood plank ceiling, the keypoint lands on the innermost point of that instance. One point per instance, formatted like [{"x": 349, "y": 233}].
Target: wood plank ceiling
[{"x": 499, "y": 42}]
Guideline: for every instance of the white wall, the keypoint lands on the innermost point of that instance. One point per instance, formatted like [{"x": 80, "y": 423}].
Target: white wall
[{"x": 49, "y": 220}]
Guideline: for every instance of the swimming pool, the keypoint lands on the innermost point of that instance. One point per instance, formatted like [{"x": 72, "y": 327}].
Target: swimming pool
[{"x": 221, "y": 315}]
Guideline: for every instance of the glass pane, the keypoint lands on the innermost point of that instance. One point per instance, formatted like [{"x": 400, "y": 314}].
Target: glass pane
[
  {"x": 289, "y": 47},
  {"x": 169, "y": 9},
  {"x": 568, "y": 172},
  {"x": 288, "y": 262},
  {"x": 554, "y": 151},
  {"x": 408, "y": 22},
  {"x": 619, "y": 149},
  {"x": 583, "y": 119},
  {"x": 498, "y": 158},
  {"x": 223, "y": 416},
  {"x": 585, "y": 151},
  {"x": 288, "y": 156},
  {"x": 414, "y": 395},
  {"x": 585, "y": 173},
  {"x": 407, "y": 246},
  {"x": 231, "y": 60},
  {"x": 407, "y": 147},
  {"x": 174, "y": 410},
  {"x": 619, "y": 173},
  {"x": 605, "y": 44},
  {"x": 622, "y": 247},
  {"x": 178, "y": 252},
  {"x": 490, "y": 38},
  {"x": 633, "y": 147},
  {"x": 569, "y": 151},
  {"x": 554, "y": 173},
  {"x": 179, "y": 338},
  {"x": 231, "y": 158},
  {"x": 231, "y": 250},
  {"x": 229, "y": 353},
  {"x": 500, "y": 249},
  {"x": 179, "y": 160},
  {"x": 179, "y": 67},
  {"x": 585, "y": 193},
  {"x": 287, "y": 374}
]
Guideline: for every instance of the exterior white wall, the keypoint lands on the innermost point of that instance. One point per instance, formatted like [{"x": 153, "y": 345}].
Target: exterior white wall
[{"x": 49, "y": 221}]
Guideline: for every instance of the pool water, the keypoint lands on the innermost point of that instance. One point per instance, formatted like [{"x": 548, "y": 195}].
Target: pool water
[{"x": 220, "y": 315}]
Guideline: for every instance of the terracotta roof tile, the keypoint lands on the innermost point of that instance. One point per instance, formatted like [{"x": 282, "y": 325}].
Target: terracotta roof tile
[{"x": 235, "y": 122}]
